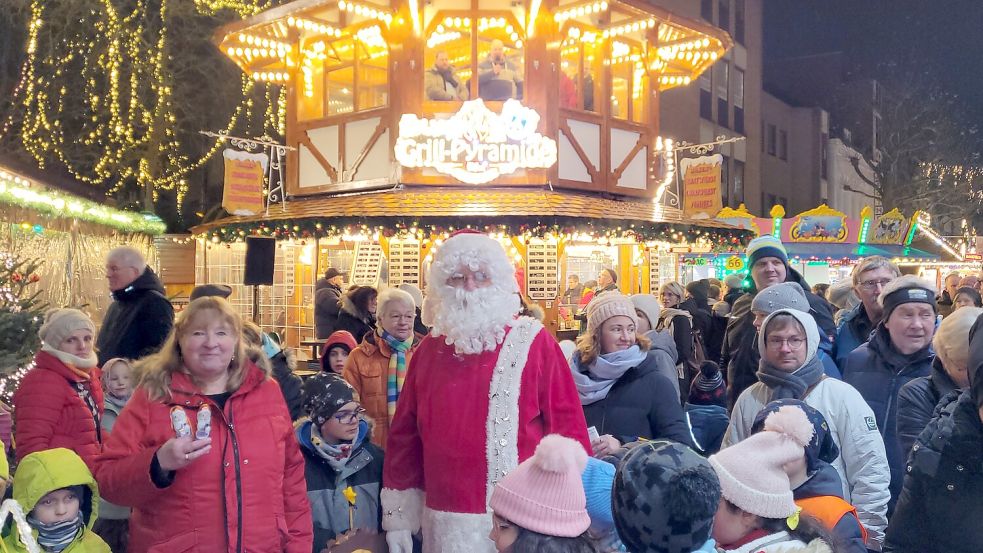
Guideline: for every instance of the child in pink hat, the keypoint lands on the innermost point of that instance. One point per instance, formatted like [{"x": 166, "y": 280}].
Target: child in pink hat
[
  {"x": 757, "y": 513},
  {"x": 541, "y": 505}
]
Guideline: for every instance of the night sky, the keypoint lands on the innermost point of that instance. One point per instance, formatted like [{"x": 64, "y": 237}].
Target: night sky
[{"x": 942, "y": 37}]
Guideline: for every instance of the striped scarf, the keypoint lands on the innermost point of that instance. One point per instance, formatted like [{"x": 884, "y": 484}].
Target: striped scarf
[
  {"x": 397, "y": 369},
  {"x": 57, "y": 536}
]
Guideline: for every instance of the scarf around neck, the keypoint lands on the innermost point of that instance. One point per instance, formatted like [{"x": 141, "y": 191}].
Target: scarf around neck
[
  {"x": 794, "y": 385},
  {"x": 397, "y": 369},
  {"x": 336, "y": 455},
  {"x": 59, "y": 535},
  {"x": 594, "y": 384}
]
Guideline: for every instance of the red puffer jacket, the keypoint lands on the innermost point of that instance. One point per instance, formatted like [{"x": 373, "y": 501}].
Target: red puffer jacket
[
  {"x": 246, "y": 495},
  {"x": 49, "y": 413}
]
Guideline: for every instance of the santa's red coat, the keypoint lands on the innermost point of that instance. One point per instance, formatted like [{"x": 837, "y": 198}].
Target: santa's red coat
[{"x": 448, "y": 430}]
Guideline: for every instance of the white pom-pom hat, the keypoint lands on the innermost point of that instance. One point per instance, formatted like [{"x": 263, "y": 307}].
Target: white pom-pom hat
[
  {"x": 545, "y": 493},
  {"x": 751, "y": 472}
]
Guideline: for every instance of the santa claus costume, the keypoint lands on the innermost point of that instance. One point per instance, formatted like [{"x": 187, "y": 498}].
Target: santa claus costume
[{"x": 481, "y": 392}]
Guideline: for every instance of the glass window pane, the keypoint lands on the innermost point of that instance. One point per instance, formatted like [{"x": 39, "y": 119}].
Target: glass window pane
[
  {"x": 448, "y": 57},
  {"x": 625, "y": 64},
  {"x": 310, "y": 99},
  {"x": 340, "y": 80},
  {"x": 500, "y": 70},
  {"x": 738, "y": 88},
  {"x": 373, "y": 68},
  {"x": 571, "y": 58},
  {"x": 639, "y": 85},
  {"x": 593, "y": 71}
]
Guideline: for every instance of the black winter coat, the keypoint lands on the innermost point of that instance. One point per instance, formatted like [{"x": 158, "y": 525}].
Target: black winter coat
[
  {"x": 326, "y": 310},
  {"x": 641, "y": 404},
  {"x": 739, "y": 354},
  {"x": 137, "y": 322},
  {"x": 290, "y": 383},
  {"x": 916, "y": 403},
  {"x": 940, "y": 507},
  {"x": 878, "y": 371}
]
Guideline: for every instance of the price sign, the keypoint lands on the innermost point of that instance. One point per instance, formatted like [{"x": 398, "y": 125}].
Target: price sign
[
  {"x": 368, "y": 264},
  {"x": 404, "y": 262},
  {"x": 542, "y": 282},
  {"x": 734, "y": 263}
]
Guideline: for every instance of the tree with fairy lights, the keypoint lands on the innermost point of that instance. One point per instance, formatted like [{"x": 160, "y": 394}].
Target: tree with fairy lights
[{"x": 21, "y": 314}]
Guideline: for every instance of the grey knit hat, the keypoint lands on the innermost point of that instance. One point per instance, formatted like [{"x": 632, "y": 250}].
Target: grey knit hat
[{"x": 786, "y": 295}]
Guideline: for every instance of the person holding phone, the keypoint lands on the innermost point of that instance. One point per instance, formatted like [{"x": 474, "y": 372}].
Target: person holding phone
[{"x": 205, "y": 452}]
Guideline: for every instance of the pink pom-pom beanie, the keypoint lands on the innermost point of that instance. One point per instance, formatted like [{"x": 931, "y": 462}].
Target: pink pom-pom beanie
[
  {"x": 751, "y": 472},
  {"x": 545, "y": 493}
]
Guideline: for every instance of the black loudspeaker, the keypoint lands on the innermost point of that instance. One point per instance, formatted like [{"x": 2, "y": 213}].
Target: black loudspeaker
[{"x": 260, "y": 253}]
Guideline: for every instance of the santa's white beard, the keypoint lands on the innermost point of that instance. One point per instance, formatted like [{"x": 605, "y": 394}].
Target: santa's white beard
[{"x": 472, "y": 321}]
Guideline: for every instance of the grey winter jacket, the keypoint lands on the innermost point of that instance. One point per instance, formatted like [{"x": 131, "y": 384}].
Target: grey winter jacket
[{"x": 664, "y": 350}]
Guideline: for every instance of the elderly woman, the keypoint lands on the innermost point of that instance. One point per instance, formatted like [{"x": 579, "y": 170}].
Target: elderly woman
[
  {"x": 377, "y": 367},
  {"x": 918, "y": 398},
  {"x": 624, "y": 393},
  {"x": 205, "y": 452}
]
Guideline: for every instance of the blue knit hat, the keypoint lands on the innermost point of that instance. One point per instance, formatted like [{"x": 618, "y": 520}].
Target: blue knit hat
[
  {"x": 765, "y": 246},
  {"x": 598, "y": 479}
]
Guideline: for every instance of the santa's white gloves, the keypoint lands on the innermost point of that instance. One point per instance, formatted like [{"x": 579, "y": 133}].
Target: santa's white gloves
[{"x": 399, "y": 541}]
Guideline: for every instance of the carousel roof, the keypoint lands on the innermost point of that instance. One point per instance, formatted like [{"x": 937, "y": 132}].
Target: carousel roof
[{"x": 466, "y": 203}]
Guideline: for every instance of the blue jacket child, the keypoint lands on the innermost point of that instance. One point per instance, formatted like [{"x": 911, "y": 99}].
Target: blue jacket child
[{"x": 706, "y": 408}]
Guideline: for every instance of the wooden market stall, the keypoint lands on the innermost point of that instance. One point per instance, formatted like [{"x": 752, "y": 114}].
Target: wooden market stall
[{"x": 533, "y": 120}]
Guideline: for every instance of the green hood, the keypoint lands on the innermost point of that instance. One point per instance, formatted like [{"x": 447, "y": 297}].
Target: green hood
[{"x": 43, "y": 472}]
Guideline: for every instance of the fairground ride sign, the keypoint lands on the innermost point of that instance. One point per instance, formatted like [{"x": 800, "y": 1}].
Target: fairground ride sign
[{"x": 476, "y": 145}]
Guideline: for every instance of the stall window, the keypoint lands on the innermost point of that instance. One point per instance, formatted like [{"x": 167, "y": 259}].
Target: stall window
[
  {"x": 357, "y": 71},
  {"x": 501, "y": 62},
  {"x": 580, "y": 63},
  {"x": 629, "y": 82},
  {"x": 310, "y": 104},
  {"x": 448, "y": 61}
]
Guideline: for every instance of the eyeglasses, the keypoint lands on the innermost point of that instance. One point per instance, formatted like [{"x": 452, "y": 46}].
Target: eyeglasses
[
  {"x": 873, "y": 284},
  {"x": 794, "y": 342},
  {"x": 348, "y": 417}
]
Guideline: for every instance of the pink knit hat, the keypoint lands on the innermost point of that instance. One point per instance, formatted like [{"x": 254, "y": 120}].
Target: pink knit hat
[
  {"x": 545, "y": 493},
  {"x": 607, "y": 305},
  {"x": 751, "y": 472}
]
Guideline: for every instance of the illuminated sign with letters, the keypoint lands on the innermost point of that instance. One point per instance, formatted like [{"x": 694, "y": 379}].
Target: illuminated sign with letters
[{"x": 476, "y": 145}]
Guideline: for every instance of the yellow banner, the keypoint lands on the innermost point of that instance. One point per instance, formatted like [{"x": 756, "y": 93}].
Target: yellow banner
[
  {"x": 701, "y": 185},
  {"x": 244, "y": 173}
]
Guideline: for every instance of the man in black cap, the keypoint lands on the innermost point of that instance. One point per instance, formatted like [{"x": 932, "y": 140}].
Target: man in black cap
[{"x": 327, "y": 294}]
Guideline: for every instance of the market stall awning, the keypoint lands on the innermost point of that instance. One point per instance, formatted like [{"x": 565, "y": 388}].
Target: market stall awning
[
  {"x": 821, "y": 252},
  {"x": 460, "y": 207}
]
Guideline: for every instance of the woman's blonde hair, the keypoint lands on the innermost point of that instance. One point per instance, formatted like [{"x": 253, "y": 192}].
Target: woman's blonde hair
[
  {"x": 589, "y": 345},
  {"x": 156, "y": 370},
  {"x": 951, "y": 340},
  {"x": 675, "y": 289}
]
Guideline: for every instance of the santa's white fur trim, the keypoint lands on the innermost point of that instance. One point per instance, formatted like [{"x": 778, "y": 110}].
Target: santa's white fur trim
[
  {"x": 445, "y": 532},
  {"x": 401, "y": 509},
  {"x": 502, "y": 425}
]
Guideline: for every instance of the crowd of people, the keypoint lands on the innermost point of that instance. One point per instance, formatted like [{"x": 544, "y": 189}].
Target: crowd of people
[{"x": 731, "y": 416}]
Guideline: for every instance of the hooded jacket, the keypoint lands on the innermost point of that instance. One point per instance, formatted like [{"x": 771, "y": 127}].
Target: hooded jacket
[
  {"x": 326, "y": 308},
  {"x": 49, "y": 411},
  {"x": 367, "y": 370},
  {"x": 739, "y": 353},
  {"x": 326, "y": 486},
  {"x": 664, "y": 349},
  {"x": 353, "y": 319},
  {"x": 283, "y": 365},
  {"x": 137, "y": 322},
  {"x": 862, "y": 464},
  {"x": 247, "y": 494},
  {"x": 916, "y": 403},
  {"x": 46, "y": 471},
  {"x": 939, "y": 506},
  {"x": 878, "y": 371},
  {"x": 826, "y": 484},
  {"x": 641, "y": 404}
]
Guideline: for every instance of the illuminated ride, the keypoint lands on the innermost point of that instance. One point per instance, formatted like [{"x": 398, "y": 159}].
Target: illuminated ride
[{"x": 534, "y": 120}]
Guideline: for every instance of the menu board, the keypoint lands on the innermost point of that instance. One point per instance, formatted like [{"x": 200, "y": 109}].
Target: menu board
[
  {"x": 404, "y": 262},
  {"x": 654, "y": 271},
  {"x": 542, "y": 282},
  {"x": 368, "y": 264}
]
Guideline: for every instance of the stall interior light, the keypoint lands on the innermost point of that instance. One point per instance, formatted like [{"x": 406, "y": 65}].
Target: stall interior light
[
  {"x": 313, "y": 26},
  {"x": 369, "y": 12},
  {"x": 630, "y": 27},
  {"x": 271, "y": 76},
  {"x": 580, "y": 11}
]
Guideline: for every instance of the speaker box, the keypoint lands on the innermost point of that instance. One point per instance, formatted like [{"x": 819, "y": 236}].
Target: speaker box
[{"x": 260, "y": 253}]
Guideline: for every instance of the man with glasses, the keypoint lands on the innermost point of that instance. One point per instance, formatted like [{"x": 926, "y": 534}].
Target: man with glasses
[
  {"x": 790, "y": 369},
  {"x": 869, "y": 279}
]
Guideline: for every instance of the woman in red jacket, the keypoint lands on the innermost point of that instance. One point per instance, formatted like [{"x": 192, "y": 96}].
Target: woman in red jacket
[
  {"x": 59, "y": 402},
  {"x": 205, "y": 452}
]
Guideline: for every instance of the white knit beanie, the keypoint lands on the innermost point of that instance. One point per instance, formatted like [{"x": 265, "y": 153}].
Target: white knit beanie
[
  {"x": 59, "y": 324},
  {"x": 605, "y": 306},
  {"x": 648, "y": 304}
]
